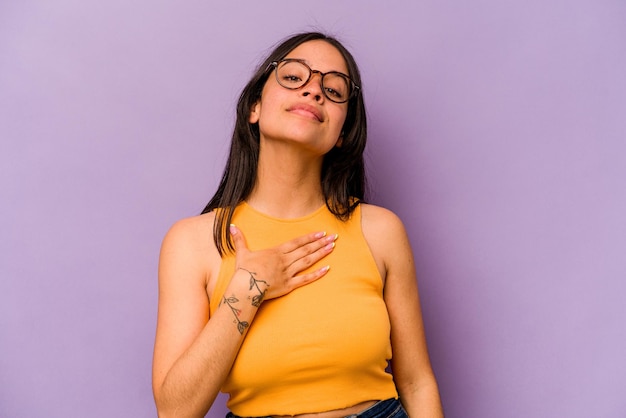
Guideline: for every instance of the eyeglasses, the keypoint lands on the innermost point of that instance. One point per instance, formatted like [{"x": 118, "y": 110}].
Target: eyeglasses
[{"x": 294, "y": 74}]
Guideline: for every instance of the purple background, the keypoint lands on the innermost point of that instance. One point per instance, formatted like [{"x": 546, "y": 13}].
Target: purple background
[{"x": 498, "y": 133}]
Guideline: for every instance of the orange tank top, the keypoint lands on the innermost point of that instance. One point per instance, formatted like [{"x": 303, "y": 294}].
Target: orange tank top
[{"x": 325, "y": 345}]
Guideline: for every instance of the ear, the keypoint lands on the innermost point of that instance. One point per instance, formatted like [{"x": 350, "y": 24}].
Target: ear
[
  {"x": 339, "y": 141},
  {"x": 255, "y": 112}
]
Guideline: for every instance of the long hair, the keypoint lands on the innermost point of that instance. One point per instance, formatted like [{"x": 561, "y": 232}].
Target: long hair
[{"x": 343, "y": 169}]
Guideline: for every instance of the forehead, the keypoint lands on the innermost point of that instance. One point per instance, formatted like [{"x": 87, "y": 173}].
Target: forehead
[{"x": 320, "y": 55}]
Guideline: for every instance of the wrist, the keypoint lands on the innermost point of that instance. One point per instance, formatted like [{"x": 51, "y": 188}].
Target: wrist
[
  {"x": 257, "y": 287},
  {"x": 243, "y": 297}
]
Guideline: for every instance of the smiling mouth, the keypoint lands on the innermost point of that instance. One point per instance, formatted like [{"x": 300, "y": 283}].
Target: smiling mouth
[{"x": 306, "y": 112}]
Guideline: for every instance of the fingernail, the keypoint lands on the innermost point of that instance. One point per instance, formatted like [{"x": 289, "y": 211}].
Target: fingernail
[
  {"x": 320, "y": 234},
  {"x": 325, "y": 269},
  {"x": 330, "y": 246},
  {"x": 233, "y": 229}
]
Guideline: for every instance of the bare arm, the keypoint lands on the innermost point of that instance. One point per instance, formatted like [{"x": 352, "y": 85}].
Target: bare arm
[
  {"x": 411, "y": 366},
  {"x": 192, "y": 354}
]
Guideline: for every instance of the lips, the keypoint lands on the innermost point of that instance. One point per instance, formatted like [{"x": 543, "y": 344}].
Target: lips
[{"x": 307, "y": 110}]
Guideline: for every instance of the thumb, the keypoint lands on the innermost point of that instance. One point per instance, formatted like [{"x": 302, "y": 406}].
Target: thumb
[{"x": 239, "y": 240}]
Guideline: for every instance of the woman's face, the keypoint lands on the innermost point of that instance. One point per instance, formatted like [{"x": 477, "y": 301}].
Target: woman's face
[{"x": 304, "y": 116}]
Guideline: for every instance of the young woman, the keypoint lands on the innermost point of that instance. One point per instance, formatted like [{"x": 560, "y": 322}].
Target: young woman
[{"x": 304, "y": 293}]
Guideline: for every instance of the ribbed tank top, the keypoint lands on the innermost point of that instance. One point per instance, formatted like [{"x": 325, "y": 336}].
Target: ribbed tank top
[{"x": 324, "y": 346}]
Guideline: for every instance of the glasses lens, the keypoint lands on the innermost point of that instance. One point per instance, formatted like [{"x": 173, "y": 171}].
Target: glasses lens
[
  {"x": 292, "y": 74},
  {"x": 336, "y": 87}
]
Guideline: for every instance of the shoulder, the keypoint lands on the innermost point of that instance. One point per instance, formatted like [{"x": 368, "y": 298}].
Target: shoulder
[
  {"x": 189, "y": 243},
  {"x": 190, "y": 231},
  {"x": 386, "y": 236},
  {"x": 380, "y": 221}
]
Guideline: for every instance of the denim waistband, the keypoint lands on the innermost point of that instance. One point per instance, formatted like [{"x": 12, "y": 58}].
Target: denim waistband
[
  {"x": 383, "y": 409},
  {"x": 390, "y": 408}
]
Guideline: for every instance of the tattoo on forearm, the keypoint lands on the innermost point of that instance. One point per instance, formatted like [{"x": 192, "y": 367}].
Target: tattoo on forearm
[
  {"x": 241, "y": 325},
  {"x": 256, "y": 300},
  {"x": 254, "y": 283}
]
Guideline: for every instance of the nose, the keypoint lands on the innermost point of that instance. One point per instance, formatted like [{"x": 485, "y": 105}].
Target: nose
[{"x": 314, "y": 87}]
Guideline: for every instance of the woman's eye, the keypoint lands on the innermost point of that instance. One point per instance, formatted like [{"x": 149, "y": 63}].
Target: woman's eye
[
  {"x": 291, "y": 78},
  {"x": 334, "y": 93}
]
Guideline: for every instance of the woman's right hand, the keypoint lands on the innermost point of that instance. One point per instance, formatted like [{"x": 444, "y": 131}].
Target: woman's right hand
[{"x": 275, "y": 271}]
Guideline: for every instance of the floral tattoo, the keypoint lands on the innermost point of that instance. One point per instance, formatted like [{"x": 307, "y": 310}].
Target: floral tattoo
[
  {"x": 241, "y": 325},
  {"x": 256, "y": 300},
  {"x": 254, "y": 282}
]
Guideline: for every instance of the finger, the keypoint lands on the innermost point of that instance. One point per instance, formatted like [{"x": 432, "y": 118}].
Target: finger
[
  {"x": 298, "y": 242},
  {"x": 239, "y": 241},
  {"x": 307, "y": 256},
  {"x": 305, "y": 251},
  {"x": 299, "y": 281}
]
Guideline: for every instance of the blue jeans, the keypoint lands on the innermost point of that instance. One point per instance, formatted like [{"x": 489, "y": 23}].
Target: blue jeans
[{"x": 391, "y": 408}]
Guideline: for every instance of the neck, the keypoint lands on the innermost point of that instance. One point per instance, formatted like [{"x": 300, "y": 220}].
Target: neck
[{"x": 288, "y": 183}]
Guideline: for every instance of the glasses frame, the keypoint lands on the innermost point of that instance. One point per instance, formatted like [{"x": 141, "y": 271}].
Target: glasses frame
[{"x": 354, "y": 88}]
